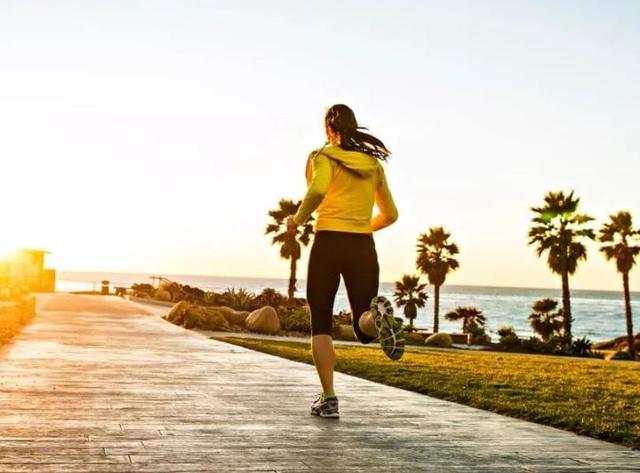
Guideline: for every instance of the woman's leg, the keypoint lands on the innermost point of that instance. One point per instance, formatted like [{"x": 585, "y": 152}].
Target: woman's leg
[
  {"x": 324, "y": 357},
  {"x": 361, "y": 277},
  {"x": 323, "y": 279},
  {"x": 367, "y": 325}
]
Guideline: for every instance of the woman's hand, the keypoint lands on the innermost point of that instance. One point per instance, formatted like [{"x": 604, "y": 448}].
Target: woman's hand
[{"x": 291, "y": 225}]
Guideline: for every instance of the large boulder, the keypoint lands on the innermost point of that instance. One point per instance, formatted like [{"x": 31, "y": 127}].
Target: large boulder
[
  {"x": 162, "y": 295},
  {"x": 177, "y": 313},
  {"x": 414, "y": 338},
  {"x": 619, "y": 355},
  {"x": 263, "y": 320},
  {"x": 618, "y": 343},
  {"x": 439, "y": 340},
  {"x": 345, "y": 332},
  {"x": 206, "y": 318},
  {"x": 234, "y": 317}
]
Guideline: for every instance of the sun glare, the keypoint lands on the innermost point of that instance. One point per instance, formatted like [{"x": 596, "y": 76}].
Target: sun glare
[{"x": 7, "y": 249}]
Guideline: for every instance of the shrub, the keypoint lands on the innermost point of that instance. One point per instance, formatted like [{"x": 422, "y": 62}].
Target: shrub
[
  {"x": 142, "y": 290},
  {"x": 192, "y": 294},
  {"x": 211, "y": 298},
  {"x": 581, "y": 347},
  {"x": 506, "y": 331},
  {"x": 536, "y": 345},
  {"x": 439, "y": 340},
  {"x": 239, "y": 299},
  {"x": 476, "y": 330},
  {"x": 269, "y": 296},
  {"x": 510, "y": 342},
  {"x": 295, "y": 320}
]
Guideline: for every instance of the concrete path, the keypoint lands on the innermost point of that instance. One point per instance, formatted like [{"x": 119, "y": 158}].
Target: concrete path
[{"x": 97, "y": 384}]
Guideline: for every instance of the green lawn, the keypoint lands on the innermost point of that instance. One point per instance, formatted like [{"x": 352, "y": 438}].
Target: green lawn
[{"x": 587, "y": 396}]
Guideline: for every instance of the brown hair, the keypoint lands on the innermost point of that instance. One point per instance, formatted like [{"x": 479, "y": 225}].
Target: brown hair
[{"x": 341, "y": 119}]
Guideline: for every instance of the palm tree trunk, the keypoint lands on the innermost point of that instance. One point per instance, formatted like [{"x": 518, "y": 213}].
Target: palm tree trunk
[
  {"x": 627, "y": 314},
  {"x": 292, "y": 279},
  {"x": 436, "y": 308},
  {"x": 566, "y": 305}
]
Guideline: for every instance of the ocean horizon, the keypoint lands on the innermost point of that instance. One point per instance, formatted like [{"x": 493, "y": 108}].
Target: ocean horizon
[{"x": 598, "y": 314}]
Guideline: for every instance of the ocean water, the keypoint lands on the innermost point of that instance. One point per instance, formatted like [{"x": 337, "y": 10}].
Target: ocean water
[{"x": 598, "y": 314}]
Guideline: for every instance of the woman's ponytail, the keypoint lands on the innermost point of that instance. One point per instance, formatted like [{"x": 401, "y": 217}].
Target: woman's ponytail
[{"x": 341, "y": 119}]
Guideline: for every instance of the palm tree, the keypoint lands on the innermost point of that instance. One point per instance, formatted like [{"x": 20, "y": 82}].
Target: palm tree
[
  {"x": 558, "y": 230},
  {"x": 411, "y": 295},
  {"x": 622, "y": 247},
  {"x": 289, "y": 243},
  {"x": 471, "y": 317},
  {"x": 436, "y": 260},
  {"x": 544, "y": 321}
]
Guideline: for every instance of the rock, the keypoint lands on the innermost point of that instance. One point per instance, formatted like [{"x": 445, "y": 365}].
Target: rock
[
  {"x": 343, "y": 318},
  {"x": 479, "y": 339},
  {"x": 177, "y": 313},
  {"x": 162, "y": 295},
  {"x": 440, "y": 339},
  {"x": 608, "y": 344},
  {"x": 234, "y": 317},
  {"x": 414, "y": 338},
  {"x": 619, "y": 355},
  {"x": 263, "y": 320},
  {"x": 617, "y": 343},
  {"x": 345, "y": 332},
  {"x": 206, "y": 318}
]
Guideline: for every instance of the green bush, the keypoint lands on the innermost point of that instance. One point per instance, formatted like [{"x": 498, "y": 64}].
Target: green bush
[
  {"x": 142, "y": 290},
  {"x": 238, "y": 299},
  {"x": 269, "y": 296},
  {"x": 536, "y": 345},
  {"x": 556, "y": 345},
  {"x": 211, "y": 298},
  {"x": 295, "y": 320},
  {"x": 506, "y": 331},
  {"x": 581, "y": 347},
  {"x": 440, "y": 339}
]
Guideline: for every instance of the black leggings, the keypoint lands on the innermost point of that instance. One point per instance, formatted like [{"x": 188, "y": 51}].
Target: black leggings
[{"x": 354, "y": 256}]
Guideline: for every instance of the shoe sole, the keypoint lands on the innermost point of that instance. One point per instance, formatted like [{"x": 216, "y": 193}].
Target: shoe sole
[
  {"x": 334, "y": 415},
  {"x": 391, "y": 341}
]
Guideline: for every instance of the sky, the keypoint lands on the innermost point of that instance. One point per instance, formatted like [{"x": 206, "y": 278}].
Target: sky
[{"x": 155, "y": 136}]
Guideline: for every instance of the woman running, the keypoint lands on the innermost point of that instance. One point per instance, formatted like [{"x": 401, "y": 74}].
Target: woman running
[{"x": 345, "y": 178}]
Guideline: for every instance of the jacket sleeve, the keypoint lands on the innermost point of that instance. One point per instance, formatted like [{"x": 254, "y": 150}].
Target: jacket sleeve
[
  {"x": 319, "y": 174},
  {"x": 387, "y": 211}
]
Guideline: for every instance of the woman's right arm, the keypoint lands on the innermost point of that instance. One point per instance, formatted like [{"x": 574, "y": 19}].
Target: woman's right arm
[{"x": 387, "y": 210}]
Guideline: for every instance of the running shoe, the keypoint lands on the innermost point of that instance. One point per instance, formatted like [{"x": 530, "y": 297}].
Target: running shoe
[
  {"x": 389, "y": 328},
  {"x": 325, "y": 408}
]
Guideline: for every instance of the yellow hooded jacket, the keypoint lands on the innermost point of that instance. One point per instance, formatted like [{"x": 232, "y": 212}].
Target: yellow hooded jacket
[{"x": 343, "y": 186}]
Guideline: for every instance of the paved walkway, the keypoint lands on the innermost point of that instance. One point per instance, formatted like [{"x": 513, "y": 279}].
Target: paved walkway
[{"x": 104, "y": 385}]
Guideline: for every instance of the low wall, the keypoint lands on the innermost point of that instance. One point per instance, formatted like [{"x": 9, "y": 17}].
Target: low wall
[{"x": 13, "y": 315}]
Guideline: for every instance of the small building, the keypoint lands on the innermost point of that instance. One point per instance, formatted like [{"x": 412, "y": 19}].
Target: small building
[{"x": 27, "y": 268}]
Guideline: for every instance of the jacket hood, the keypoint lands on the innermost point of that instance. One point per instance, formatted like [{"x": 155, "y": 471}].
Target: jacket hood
[{"x": 361, "y": 163}]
